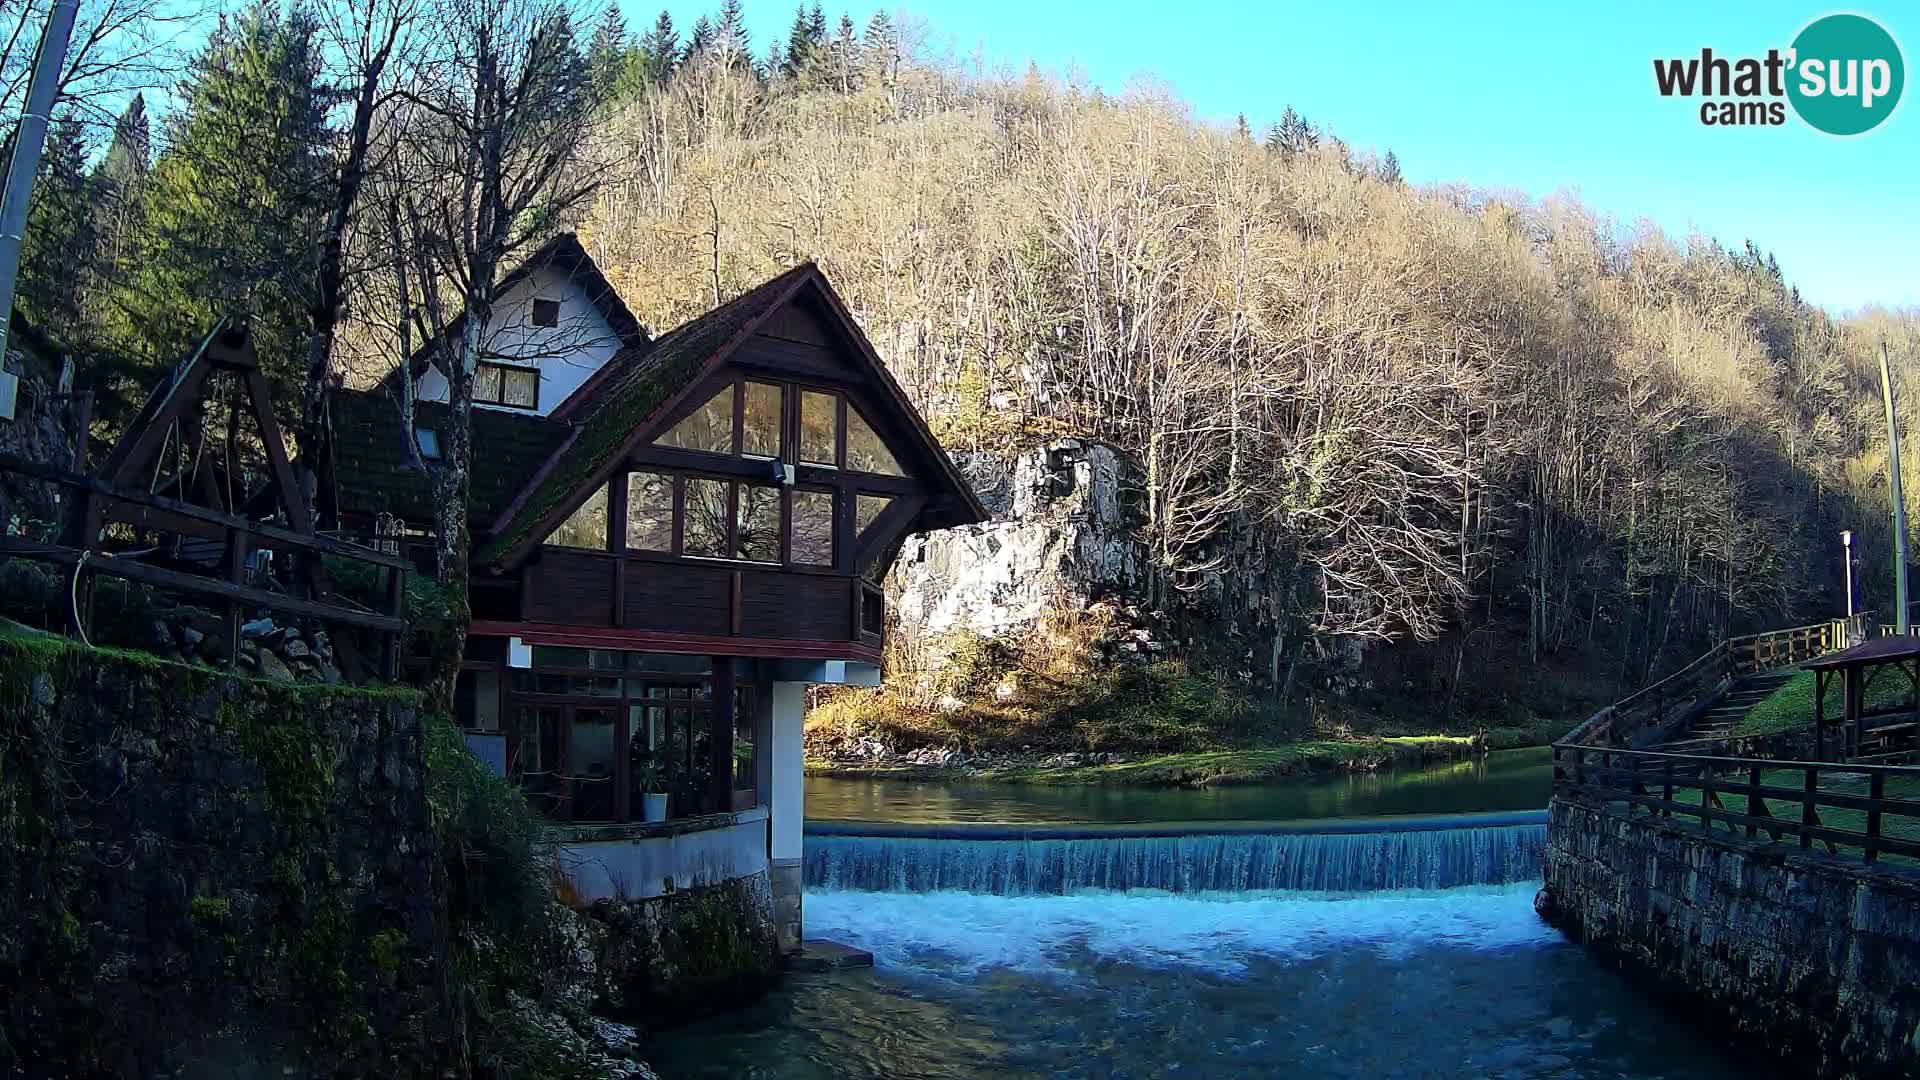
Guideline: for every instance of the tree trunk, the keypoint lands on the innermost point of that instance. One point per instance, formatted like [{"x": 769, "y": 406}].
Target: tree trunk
[
  {"x": 330, "y": 280},
  {"x": 455, "y": 484}
]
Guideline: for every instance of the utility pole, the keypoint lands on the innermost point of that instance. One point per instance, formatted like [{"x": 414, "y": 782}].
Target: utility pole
[
  {"x": 29, "y": 139},
  {"x": 1899, "y": 503}
]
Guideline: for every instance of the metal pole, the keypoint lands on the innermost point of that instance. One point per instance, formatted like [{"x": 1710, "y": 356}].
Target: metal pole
[
  {"x": 1899, "y": 503},
  {"x": 29, "y": 139},
  {"x": 1846, "y": 547}
]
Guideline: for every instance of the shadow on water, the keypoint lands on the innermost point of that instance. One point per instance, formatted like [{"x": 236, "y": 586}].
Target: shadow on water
[{"x": 1505, "y": 780}]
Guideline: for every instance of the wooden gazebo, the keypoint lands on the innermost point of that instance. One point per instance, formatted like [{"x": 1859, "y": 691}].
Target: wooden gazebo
[{"x": 1863, "y": 728}]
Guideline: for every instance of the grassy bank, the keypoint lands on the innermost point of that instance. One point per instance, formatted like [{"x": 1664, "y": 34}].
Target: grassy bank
[
  {"x": 1059, "y": 706},
  {"x": 1306, "y": 756},
  {"x": 1790, "y": 708},
  {"x": 1198, "y": 767}
]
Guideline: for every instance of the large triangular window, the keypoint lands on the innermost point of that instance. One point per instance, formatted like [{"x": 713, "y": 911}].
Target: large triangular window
[
  {"x": 709, "y": 428},
  {"x": 865, "y": 451}
]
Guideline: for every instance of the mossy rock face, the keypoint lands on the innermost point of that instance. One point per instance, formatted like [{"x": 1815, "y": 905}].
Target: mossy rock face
[
  {"x": 219, "y": 870},
  {"x": 666, "y": 958}
]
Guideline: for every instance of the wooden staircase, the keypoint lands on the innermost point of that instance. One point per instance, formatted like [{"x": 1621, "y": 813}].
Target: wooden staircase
[{"x": 1710, "y": 731}]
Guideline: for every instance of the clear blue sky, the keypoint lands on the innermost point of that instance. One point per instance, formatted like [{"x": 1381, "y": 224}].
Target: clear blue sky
[{"x": 1536, "y": 97}]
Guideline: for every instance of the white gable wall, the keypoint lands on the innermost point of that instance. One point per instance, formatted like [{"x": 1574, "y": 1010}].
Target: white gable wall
[{"x": 565, "y": 354}]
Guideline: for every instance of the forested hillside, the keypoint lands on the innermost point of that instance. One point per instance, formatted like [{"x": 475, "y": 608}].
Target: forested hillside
[{"x": 1483, "y": 430}]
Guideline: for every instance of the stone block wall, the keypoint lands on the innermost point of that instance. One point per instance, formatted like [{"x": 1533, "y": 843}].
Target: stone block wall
[
  {"x": 207, "y": 874},
  {"x": 687, "y": 953},
  {"x": 1811, "y": 960}
]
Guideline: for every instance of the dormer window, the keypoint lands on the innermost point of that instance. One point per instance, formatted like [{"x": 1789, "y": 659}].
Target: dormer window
[
  {"x": 546, "y": 313},
  {"x": 502, "y": 384}
]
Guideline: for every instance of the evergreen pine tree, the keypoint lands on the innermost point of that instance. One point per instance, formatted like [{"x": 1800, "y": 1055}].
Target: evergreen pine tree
[
  {"x": 880, "y": 49},
  {"x": 1240, "y": 128},
  {"x": 57, "y": 251},
  {"x": 116, "y": 181},
  {"x": 234, "y": 205},
  {"x": 1390, "y": 168},
  {"x": 660, "y": 48},
  {"x": 816, "y": 26},
  {"x": 700, "y": 39},
  {"x": 775, "y": 63},
  {"x": 846, "y": 46},
  {"x": 1276, "y": 139},
  {"x": 607, "y": 53},
  {"x": 733, "y": 25},
  {"x": 1292, "y": 131},
  {"x": 799, "y": 43}
]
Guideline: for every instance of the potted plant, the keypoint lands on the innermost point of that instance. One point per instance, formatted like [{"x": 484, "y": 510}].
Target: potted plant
[{"x": 651, "y": 780}]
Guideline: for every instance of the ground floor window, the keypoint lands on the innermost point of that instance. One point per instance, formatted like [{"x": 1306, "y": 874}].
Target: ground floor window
[{"x": 589, "y": 734}]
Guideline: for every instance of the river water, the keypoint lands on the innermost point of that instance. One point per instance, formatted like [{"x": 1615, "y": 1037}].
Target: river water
[
  {"x": 1507, "y": 780},
  {"x": 1230, "y": 946}
]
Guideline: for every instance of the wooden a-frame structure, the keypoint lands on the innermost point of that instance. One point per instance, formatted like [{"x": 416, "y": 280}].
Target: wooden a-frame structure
[{"x": 214, "y": 533}]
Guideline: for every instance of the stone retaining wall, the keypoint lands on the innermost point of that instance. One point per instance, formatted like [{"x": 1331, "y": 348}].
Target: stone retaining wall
[
  {"x": 205, "y": 873},
  {"x": 687, "y": 953},
  {"x": 1811, "y": 960}
]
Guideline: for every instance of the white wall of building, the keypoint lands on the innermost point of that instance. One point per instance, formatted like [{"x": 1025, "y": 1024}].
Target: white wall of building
[
  {"x": 635, "y": 868},
  {"x": 566, "y": 354}
]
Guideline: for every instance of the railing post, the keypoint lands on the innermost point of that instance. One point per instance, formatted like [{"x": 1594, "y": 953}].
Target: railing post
[
  {"x": 1706, "y": 793},
  {"x": 1877, "y": 789},
  {"x": 1809, "y": 817}
]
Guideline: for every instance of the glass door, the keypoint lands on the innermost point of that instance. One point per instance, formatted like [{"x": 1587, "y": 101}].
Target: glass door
[
  {"x": 536, "y": 761},
  {"x": 594, "y": 763}
]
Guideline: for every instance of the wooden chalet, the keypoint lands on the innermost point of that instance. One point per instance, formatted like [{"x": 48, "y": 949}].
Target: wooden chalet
[{"x": 672, "y": 536}]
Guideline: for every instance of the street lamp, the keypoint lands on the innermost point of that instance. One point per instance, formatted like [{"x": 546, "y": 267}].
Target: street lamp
[{"x": 1846, "y": 545}]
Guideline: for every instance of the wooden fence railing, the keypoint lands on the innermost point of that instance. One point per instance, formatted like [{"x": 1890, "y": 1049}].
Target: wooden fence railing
[
  {"x": 1654, "y": 707},
  {"x": 1863, "y": 810},
  {"x": 233, "y": 538}
]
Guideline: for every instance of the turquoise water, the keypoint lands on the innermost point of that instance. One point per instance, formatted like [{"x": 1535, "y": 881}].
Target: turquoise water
[
  {"x": 1450, "y": 983},
  {"x": 1507, "y": 780},
  {"x": 1337, "y": 928}
]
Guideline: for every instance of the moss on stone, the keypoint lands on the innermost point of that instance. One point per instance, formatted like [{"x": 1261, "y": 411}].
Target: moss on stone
[{"x": 211, "y": 910}]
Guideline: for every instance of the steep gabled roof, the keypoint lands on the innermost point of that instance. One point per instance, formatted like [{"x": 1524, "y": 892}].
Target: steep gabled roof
[
  {"x": 629, "y": 402},
  {"x": 626, "y": 401},
  {"x": 565, "y": 254},
  {"x": 373, "y": 472}
]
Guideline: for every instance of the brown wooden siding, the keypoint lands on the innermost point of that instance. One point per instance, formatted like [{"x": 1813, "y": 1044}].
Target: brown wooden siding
[
  {"x": 799, "y": 321},
  {"x": 797, "y": 358},
  {"x": 577, "y": 588},
  {"x": 685, "y": 598},
  {"x": 570, "y": 587},
  {"x": 794, "y": 606}
]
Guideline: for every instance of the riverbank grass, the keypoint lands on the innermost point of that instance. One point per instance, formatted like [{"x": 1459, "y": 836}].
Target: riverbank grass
[
  {"x": 1790, "y": 708},
  {"x": 1203, "y": 767}
]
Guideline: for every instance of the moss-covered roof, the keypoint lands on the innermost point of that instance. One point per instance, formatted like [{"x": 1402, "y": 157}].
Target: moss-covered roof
[
  {"x": 629, "y": 398},
  {"x": 375, "y": 473}
]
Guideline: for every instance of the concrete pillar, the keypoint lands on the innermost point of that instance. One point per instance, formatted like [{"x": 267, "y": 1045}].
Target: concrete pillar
[{"x": 787, "y": 810}]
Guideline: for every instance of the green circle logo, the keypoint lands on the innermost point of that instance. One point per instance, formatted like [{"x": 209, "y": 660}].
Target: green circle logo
[{"x": 1847, "y": 74}]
